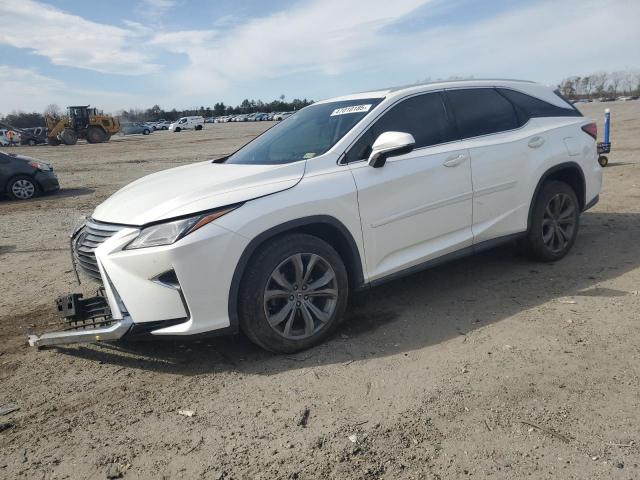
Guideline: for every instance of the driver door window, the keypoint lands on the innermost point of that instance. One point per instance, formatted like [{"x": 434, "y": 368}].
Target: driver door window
[{"x": 423, "y": 116}]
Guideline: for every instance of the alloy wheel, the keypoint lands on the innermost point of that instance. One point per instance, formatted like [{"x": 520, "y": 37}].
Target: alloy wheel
[
  {"x": 301, "y": 296},
  {"x": 23, "y": 189},
  {"x": 558, "y": 222}
]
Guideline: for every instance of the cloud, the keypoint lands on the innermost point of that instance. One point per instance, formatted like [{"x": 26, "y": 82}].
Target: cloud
[
  {"x": 319, "y": 36},
  {"x": 72, "y": 41},
  {"x": 542, "y": 42},
  {"x": 154, "y": 10},
  {"x": 27, "y": 90},
  {"x": 330, "y": 38}
]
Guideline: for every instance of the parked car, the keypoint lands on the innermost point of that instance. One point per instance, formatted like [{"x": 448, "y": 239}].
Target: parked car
[
  {"x": 282, "y": 115},
  {"x": 4, "y": 140},
  {"x": 346, "y": 194},
  {"x": 261, "y": 117},
  {"x": 33, "y": 136},
  {"x": 135, "y": 127},
  {"x": 187, "y": 123},
  {"x": 162, "y": 125},
  {"x": 22, "y": 178}
]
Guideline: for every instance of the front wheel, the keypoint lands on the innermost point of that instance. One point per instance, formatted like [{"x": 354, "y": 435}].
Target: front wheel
[
  {"x": 198, "y": 127},
  {"x": 22, "y": 188},
  {"x": 554, "y": 222},
  {"x": 177, "y": 129},
  {"x": 294, "y": 293},
  {"x": 146, "y": 132}
]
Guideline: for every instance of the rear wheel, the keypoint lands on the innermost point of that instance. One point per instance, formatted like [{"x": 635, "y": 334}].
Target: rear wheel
[
  {"x": 146, "y": 131},
  {"x": 198, "y": 127},
  {"x": 31, "y": 142},
  {"x": 53, "y": 141},
  {"x": 177, "y": 129},
  {"x": 554, "y": 222},
  {"x": 22, "y": 188},
  {"x": 96, "y": 135},
  {"x": 294, "y": 294}
]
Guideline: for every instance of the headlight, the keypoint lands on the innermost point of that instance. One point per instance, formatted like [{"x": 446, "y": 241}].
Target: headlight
[{"x": 170, "y": 232}]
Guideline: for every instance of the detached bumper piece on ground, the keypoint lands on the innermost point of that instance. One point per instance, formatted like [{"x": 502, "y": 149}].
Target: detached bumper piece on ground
[{"x": 84, "y": 320}]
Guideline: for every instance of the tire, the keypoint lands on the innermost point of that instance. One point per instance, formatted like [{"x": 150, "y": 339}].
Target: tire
[
  {"x": 198, "y": 127},
  {"x": 31, "y": 142},
  {"x": 22, "y": 187},
  {"x": 300, "y": 321},
  {"x": 165, "y": 128},
  {"x": 603, "y": 160},
  {"x": 54, "y": 142},
  {"x": 96, "y": 135},
  {"x": 554, "y": 222},
  {"x": 146, "y": 131},
  {"x": 177, "y": 129},
  {"x": 68, "y": 137}
]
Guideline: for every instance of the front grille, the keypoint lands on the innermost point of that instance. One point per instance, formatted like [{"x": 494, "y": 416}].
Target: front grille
[{"x": 87, "y": 240}]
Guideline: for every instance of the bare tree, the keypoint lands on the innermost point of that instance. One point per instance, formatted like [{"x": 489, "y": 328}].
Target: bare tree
[
  {"x": 53, "y": 111},
  {"x": 615, "y": 79},
  {"x": 568, "y": 87},
  {"x": 599, "y": 80},
  {"x": 587, "y": 85},
  {"x": 636, "y": 81},
  {"x": 629, "y": 82}
]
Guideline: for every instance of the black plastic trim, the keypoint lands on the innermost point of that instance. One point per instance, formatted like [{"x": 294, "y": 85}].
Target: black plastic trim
[
  {"x": 355, "y": 267},
  {"x": 449, "y": 257},
  {"x": 592, "y": 203}
]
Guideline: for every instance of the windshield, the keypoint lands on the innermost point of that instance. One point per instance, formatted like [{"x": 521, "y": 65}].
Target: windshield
[{"x": 309, "y": 133}]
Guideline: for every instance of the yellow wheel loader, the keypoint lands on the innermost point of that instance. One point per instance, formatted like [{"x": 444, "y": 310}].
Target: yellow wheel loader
[{"x": 81, "y": 122}]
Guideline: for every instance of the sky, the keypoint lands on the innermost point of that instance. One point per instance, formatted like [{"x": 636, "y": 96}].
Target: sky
[{"x": 188, "y": 53}]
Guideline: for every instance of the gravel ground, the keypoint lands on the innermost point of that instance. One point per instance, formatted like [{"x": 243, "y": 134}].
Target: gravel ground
[{"x": 491, "y": 366}]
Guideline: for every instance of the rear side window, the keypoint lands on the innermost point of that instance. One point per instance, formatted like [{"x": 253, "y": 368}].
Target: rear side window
[
  {"x": 423, "y": 116},
  {"x": 531, "y": 107},
  {"x": 482, "y": 111}
]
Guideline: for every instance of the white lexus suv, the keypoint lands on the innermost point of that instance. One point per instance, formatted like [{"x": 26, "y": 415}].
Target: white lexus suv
[{"x": 345, "y": 194}]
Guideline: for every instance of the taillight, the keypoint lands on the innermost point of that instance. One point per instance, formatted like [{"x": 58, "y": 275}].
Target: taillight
[{"x": 591, "y": 129}]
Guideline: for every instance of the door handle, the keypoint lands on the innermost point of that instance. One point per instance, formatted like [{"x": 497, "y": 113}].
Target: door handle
[
  {"x": 455, "y": 160},
  {"x": 536, "y": 142}
]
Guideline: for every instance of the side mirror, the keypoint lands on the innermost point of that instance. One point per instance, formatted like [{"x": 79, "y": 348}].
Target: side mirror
[{"x": 390, "y": 144}]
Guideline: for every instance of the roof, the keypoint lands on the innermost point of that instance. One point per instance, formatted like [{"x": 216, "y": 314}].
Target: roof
[{"x": 531, "y": 88}]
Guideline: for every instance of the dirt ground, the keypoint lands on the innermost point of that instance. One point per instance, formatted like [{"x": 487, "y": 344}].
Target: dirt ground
[{"x": 491, "y": 366}]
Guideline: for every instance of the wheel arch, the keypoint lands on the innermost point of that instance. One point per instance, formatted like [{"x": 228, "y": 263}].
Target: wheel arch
[
  {"x": 568, "y": 172},
  {"x": 325, "y": 227}
]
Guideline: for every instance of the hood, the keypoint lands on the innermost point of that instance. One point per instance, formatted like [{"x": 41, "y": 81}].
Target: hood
[{"x": 194, "y": 188}]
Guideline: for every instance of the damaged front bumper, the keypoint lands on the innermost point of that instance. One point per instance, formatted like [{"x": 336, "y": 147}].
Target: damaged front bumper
[
  {"x": 112, "y": 332},
  {"x": 84, "y": 320}
]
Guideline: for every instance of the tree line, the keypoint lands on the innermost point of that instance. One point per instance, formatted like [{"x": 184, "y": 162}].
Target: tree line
[
  {"x": 219, "y": 109},
  {"x": 601, "y": 84},
  {"x": 20, "y": 119}
]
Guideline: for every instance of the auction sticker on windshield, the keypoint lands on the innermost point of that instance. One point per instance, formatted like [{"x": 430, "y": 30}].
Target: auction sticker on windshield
[{"x": 352, "y": 109}]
